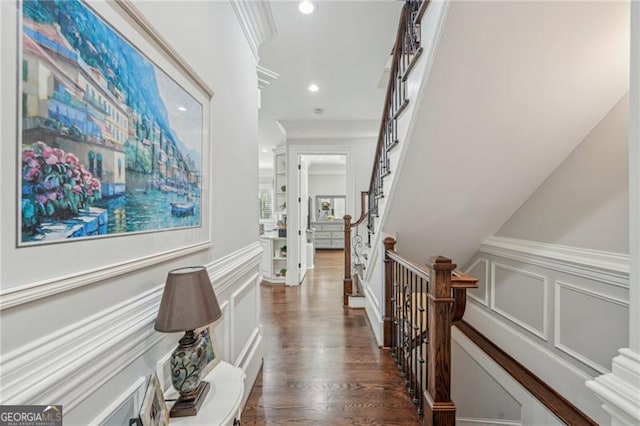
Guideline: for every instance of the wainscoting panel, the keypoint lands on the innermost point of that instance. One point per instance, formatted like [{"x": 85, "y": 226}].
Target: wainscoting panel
[
  {"x": 244, "y": 314},
  {"x": 561, "y": 311},
  {"x": 96, "y": 364},
  {"x": 585, "y": 316},
  {"x": 520, "y": 296},
  {"x": 480, "y": 269},
  {"x": 123, "y": 408}
]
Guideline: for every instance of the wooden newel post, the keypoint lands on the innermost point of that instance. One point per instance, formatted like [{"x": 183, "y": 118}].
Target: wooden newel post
[
  {"x": 347, "y": 283},
  {"x": 389, "y": 245},
  {"x": 439, "y": 409}
]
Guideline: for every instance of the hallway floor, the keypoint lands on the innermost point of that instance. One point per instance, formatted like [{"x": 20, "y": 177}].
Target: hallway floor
[{"x": 321, "y": 362}]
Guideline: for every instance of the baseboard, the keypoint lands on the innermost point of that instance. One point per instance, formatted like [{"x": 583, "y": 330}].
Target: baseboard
[{"x": 374, "y": 316}]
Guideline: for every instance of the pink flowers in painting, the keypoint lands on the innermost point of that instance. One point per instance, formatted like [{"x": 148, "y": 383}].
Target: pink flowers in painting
[{"x": 55, "y": 186}]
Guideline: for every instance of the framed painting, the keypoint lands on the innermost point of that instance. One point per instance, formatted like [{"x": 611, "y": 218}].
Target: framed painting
[
  {"x": 109, "y": 143},
  {"x": 106, "y": 146}
]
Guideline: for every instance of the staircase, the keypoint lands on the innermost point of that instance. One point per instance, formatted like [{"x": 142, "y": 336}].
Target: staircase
[
  {"x": 474, "y": 120},
  {"x": 484, "y": 101}
]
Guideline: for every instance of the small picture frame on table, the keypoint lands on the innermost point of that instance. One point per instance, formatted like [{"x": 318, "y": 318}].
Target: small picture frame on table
[
  {"x": 154, "y": 411},
  {"x": 213, "y": 352}
]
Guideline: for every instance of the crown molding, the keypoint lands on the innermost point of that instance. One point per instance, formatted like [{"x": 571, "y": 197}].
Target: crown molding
[
  {"x": 330, "y": 129},
  {"x": 256, "y": 21},
  {"x": 266, "y": 76}
]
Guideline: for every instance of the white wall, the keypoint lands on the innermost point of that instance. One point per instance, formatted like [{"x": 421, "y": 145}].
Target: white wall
[
  {"x": 325, "y": 184},
  {"x": 118, "y": 304},
  {"x": 585, "y": 201}
]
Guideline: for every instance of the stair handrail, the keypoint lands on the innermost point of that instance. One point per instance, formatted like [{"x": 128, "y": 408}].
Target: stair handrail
[{"x": 406, "y": 44}]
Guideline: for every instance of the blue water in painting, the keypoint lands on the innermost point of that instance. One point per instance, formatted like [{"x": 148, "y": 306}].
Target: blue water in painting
[{"x": 139, "y": 211}]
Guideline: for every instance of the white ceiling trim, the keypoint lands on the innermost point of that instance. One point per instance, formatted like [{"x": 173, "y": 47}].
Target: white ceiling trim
[
  {"x": 266, "y": 76},
  {"x": 330, "y": 129},
  {"x": 256, "y": 21}
]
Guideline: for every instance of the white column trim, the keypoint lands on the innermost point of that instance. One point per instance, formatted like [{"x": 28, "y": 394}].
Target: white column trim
[{"x": 620, "y": 390}]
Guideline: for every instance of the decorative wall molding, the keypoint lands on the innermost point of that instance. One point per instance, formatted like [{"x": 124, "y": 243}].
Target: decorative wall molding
[
  {"x": 59, "y": 368},
  {"x": 256, "y": 21},
  {"x": 558, "y": 319},
  {"x": 245, "y": 354},
  {"x": 134, "y": 394},
  {"x": 542, "y": 334},
  {"x": 266, "y": 76},
  {"x": 485, "y": 300},
  {"x": 239, "y": 295},
  {"x": 607, "y": 267},
  {"x": 330, "y": 129},
  {"x": 224, "y": 272},
  {"x": 34, "y": 291}
]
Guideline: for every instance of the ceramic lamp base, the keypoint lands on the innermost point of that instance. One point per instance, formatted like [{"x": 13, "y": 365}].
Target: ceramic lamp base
[{"x": 189, "y": 406}]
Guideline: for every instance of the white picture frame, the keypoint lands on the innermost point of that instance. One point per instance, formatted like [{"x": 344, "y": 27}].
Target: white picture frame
[{"x": 154, "y": 410}]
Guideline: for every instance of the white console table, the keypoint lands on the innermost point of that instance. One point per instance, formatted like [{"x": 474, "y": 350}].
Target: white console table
[{"x": 222, "y": 405}]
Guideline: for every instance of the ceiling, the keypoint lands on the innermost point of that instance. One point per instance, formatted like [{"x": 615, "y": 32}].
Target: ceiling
[{"x": 342, "y": 47}]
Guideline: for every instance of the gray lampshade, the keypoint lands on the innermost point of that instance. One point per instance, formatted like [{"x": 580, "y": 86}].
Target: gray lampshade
[{"x": 188, "y": 301}]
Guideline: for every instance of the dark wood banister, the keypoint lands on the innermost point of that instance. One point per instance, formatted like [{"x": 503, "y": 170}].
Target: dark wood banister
[
  {"x": 363, "y": 209},
  {"x": 393, "y": 97},
  {"x": 408, "y": 336},
  {"x": 396, "y": 52}
]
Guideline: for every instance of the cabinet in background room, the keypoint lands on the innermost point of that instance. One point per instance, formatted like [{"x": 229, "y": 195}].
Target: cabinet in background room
[{"x": 328, "y": 235}]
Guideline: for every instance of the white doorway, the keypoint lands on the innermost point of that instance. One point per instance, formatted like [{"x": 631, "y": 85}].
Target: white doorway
[
  {"x": 318, "y": 172},
  {"x": 322, "y": 194}
]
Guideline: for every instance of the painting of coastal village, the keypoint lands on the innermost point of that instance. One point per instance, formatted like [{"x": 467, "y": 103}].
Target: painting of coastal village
[{"x": 110, "y": 144}]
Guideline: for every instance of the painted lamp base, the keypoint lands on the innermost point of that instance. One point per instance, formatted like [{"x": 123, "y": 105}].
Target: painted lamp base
[{"x": 189, "y": 405}]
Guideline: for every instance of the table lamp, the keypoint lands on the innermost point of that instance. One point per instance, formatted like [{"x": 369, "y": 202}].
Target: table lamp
[{"x": 188, "y": 302}]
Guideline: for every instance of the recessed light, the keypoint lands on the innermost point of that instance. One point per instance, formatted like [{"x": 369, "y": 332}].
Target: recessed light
[
  {"x": 181, "y": 108},
  {"x": 265, "y": 150},
  {"x": 319, "y": 159},
  {"x": 306, "y": 7},
  {"x": 314, "y": 88}
]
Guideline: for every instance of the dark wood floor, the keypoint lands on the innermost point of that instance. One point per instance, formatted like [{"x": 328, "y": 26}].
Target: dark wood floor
[{"x": 321, "y": 364}]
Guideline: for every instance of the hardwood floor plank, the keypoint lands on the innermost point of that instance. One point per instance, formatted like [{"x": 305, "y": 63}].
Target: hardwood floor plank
[{"x": 321, "y": 364}]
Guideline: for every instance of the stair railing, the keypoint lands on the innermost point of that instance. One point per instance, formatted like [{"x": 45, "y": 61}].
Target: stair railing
[
  {"x": 405, "y": 52},
  {"x": 421, "y": 303}
]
